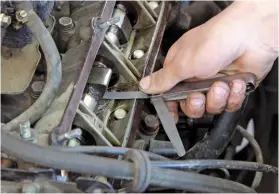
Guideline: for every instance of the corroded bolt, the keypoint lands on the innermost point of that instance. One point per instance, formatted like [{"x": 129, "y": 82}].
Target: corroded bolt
[
  {"x": 37, "y": 88},
  {"x": 108, "y": 23},
  {"x": 5, "y": 20},
  {"x": 22, "y": 16},
  {"x": 66, "y": 23}
]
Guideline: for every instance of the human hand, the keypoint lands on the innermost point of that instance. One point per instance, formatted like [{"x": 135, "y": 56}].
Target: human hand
[{"x": 242, "y": 38}]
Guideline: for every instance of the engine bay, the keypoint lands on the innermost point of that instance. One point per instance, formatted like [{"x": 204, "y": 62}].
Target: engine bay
[{"x": 60, "y": 134}]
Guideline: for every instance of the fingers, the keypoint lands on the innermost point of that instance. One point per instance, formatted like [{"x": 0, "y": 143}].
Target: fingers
[
  {"x": 158, "y": 82},
  {"x": 194, "y": 105},
  {"x": 217, "y": 97},
  {"x": 237, "y": 95},
  {"x": 173, "y": 109}
]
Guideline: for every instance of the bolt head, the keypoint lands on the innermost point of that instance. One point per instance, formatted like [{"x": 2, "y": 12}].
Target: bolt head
[{"x": 22, "y": 16}]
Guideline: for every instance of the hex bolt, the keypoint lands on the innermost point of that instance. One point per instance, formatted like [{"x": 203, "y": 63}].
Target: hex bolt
[
  {"x": 76, "y": 133},
  {"x": 22, "y": 16},
  {"x": 119, "y": 114},
  {"x": 108, "y": 23},
  {"x": 25, "y": 130},
  {"x": 66, "y": 23},
  {"x": 137, "y": 54},
  {"x": 5, "y": 20},
  {"x": 150, "y": 125},
  {"x": 37, "y": 88}
]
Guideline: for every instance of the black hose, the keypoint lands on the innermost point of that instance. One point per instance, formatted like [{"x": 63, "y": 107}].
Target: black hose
[
  {"x": 34, "y": 112},
  {"x": 214, "y": 164},
  {"x": 106, "y": 150},
  {"x": 216, "y": 140},
  {"x": 258, "y": 153},
  {"x": 115, "y": 169}
]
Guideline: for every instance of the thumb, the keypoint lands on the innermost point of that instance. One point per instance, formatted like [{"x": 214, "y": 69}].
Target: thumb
[{"x": 158, "y": 82}]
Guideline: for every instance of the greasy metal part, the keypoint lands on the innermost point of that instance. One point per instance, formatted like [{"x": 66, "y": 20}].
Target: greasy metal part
[
  {"x": 37, "y": 88},
  {"x": 11, "y": 174},
  {"x": 150, "y": 6},
  {"x": 85, "y": 122},
  {"x": 98, "y": 82},
  {"x": 18, "y": 67},
  {"x": 146, "y": 12},
  {"x": 97, "y": 125},
  {"x": 121, "y": 29},
  {"x": 90, "y": 185},
  {"x": 130, "y": 44},
  {"x": 168, "y": 124},
  {"x": 181, "y": 90},
  {"x": 128, "y": 64},
  {"x": 121, "y": 65},
  {"x": 96, "y": 42},
  {"x": 65, "y": 31},
  {"x": 149, "y": 125},
  {"x": 150, "y": 64},
  {"x": 75, "y": 133}
]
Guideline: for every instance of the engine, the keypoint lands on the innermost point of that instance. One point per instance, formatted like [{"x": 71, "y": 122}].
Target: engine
[{"x": 61, "y": 134}]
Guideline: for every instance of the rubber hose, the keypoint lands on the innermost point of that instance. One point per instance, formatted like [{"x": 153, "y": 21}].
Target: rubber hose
[
  {"x": 216, "y": 140},
  {"x": 215, "y": 164},
  {"x": 258, "y": 153},
  {"x": 113, "y": 168},
  {"x": 54, "y": 74},
  {"x": 105, "y": 150}
]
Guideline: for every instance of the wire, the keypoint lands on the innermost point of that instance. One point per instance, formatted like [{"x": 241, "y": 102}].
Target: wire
[
  {"x": 214, "y": 164},
  {"x": 105, "y": 150},
  {"x": 115, "y": 169},
  {"x": 258, "y": 153}
]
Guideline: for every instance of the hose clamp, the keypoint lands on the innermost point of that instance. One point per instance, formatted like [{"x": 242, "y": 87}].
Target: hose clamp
[{"x": 142, "y": 171}]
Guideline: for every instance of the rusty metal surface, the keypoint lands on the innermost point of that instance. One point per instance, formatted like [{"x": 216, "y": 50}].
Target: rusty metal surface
[
  {"x": 96, "y": 42},
  {"x": 150, "y": 63}
]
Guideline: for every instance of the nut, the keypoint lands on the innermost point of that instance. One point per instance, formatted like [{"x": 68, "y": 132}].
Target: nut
[
  {"x": 5, "y": 20},
  {"x": 22, "y": 16}
]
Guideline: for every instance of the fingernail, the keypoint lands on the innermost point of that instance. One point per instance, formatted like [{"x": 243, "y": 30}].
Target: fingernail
[
  {"x": 144, "y": 83},
  {"x": 196, "y": 103},
  {"x": 219, "y": 92},
  {"x": 175, "y": 116},
  {"x": 236, "y": 88}
]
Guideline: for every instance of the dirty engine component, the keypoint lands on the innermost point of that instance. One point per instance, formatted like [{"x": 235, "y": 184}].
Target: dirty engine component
[{"x": 74, "y": 120}]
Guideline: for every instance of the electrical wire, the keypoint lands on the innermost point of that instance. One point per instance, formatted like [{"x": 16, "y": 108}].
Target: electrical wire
[
  {"x": 116, "y": 169},
  {"x": 258, "y": 154},
  {"x": 106, "y": 150},
  {"x": 214, "y": 164}
]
